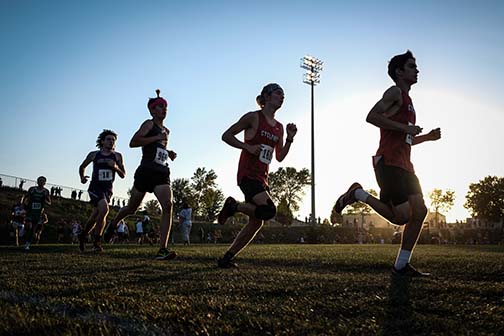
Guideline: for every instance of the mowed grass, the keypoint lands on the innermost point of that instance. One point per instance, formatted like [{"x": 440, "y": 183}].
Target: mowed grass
[{"x": 278, "y": 290}]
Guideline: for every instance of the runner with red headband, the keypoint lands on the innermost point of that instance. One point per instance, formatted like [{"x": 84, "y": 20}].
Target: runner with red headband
[{"x": 153, "y": 174}]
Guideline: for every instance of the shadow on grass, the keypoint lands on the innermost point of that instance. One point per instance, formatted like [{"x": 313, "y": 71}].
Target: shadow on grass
[{"x": 398, "y": 311}]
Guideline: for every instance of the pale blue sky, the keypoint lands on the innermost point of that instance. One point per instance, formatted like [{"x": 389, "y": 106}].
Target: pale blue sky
[{"x": 70, "y": 69}]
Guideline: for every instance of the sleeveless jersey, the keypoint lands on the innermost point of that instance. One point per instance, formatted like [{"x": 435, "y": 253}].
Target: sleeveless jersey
[
  {"x": 155, "y": 155},
  {"x": 395, "y": 146},
  {"x": 257, "y": 167},
  {"x": 19, "y": 214},
  {"x": 37, "y": 199},
  {"x": 103, "y": 174}
]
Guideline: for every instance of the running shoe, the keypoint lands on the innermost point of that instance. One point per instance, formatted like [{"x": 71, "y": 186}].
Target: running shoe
[
  {"x": 165, "y": 254},
  {"x": 97, "y": 247},
  {"x": 222, "y": 263},
  {"x": 227, "y": 211},
  {"x": 347, "y": 198},
  {"x": 409, "y": 271}
]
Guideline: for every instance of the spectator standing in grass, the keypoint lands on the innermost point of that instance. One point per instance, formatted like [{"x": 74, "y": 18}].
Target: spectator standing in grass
[{"x": 185, "y": 223}]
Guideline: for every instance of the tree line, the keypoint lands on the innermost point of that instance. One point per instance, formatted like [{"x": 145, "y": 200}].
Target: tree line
[{"x": 484, "y": 200}]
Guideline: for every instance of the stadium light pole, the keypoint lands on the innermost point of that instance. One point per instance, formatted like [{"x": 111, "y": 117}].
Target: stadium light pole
[{"x": 312, "y": 77}]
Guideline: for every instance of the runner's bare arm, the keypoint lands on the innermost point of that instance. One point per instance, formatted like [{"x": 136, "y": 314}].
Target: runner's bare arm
[
  {"x": 387, "y": 107},
  {"x": 139, "y": 139},
  {"x": 433, "y": 135},
  {"x": 246, "y": 122},
  {"x": 82, "y": 168},
  {"x": 282, "y": 150},
  {"x": 119, "y": 166}
]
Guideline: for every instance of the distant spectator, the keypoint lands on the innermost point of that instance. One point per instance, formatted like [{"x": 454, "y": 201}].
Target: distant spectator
[
  {"x": 76, "y": 229},
  {"x": 139, "y": 231},
  {"x": 1, "y": 182},
  {"x": 52, "y": 191},
  {"x": 185, "y": 223},
  {"x": 80, "y": 194},
  {"x": 21, "y": 184},
  {"x": 123, "y": 203},
  {"x": 121, "y": 231},
  {"x": 61, "y": 230},
  {"x": 74, "y": 194},
  {"x": 202, "y": 234}
]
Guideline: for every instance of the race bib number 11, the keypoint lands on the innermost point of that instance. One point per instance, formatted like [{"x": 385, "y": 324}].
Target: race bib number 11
[{"x": 105, "y": 175}]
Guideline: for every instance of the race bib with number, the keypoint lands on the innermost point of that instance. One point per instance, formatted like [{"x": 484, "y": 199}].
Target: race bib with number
[
  {"x": 105, "y": 175},
  {"x": 409, "y": 137},
  {"x": 266, "y": 154},
  {"x": 36, "y": 206},
  {"x": 161, "y": 156}
]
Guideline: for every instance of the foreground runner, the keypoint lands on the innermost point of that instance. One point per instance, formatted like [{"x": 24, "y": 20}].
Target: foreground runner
[
  {"x": 106, "y": 163},
  {"x": 153, "y": 174},
  {"x": 35, "y": 201},
  {"x": 263, "y": 136},
  {"x": 401, "y": 200}
]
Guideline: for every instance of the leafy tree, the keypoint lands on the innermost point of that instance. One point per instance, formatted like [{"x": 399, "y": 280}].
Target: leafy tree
[
  {"x": 152, "y": 207},
  {"x": 211, "y": 201},
  {"x": 485, "y": 199},
  {"x": 288, "y": 184},
  {"x": 441, "y": 201},
  {"x": 335, "y": 217},
  {"x": 182, "y": 191},
  {"x": 284, "y": 214},
  {"x": 204, "y": 191}
]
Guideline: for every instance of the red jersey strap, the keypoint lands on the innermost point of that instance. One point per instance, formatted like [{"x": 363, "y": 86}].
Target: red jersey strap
[
  {"x": 257, "y": 167},
  {"x": 395, "y": 146}
]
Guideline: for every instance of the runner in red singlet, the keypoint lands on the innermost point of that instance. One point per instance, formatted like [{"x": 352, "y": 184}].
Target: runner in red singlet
[
  {"x": 263, "y": 137},
  {"x": 401, "y": 200}
]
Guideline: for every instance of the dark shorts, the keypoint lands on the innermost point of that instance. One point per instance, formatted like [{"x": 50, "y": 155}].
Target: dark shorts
[
  {"x": 97, "y": 194},
  {"x": 251, "y": 187},
  {"x": 396, "y": 184},
  {"x": 146, "y": 179},
  {"x": 33, "y": 218}
]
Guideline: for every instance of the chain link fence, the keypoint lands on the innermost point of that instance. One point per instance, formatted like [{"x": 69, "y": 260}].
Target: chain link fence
[{"x": 56, "y": 190}]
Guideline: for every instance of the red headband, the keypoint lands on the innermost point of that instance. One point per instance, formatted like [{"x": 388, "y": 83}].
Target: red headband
[{"x": 156, "y": 101}]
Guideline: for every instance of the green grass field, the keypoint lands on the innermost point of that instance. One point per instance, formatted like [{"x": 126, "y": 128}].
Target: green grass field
[{"x": 278, "y": 290}]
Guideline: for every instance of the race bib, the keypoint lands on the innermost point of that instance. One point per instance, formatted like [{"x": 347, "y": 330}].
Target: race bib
[
  {"x": 105, "y": 175},
  {"x": 409, "y": 137},
  {"x": 161, "y": 156},
  {"x": 266, "y": 154},
  {"x": 36, "y": 206}
]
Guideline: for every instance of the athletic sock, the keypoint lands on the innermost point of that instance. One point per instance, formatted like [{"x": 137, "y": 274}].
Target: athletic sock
[
  {"x": 361, "y": 195},
  {"x": 402, "y": 259}
]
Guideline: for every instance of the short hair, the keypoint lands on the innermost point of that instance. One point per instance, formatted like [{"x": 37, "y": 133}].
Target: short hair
[
  {"x": 398, "y": 62},
  {"x": 41, "y": 177},
  {"x": 102, "y": 136},
  {"x": 267, "y": 91}
]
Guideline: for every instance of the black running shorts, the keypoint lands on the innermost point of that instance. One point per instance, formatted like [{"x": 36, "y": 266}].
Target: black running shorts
[
  {"x": 146, "y": 179},
  {"x": 396, "y": 184},
  {"x": 251, "y": 187}
]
